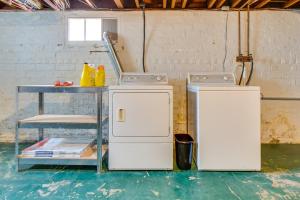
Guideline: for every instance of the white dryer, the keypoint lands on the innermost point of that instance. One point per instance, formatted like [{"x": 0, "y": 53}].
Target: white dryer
[
  {"x": 224, "y": 120},
  {"x": 141, "y": 123},
  {"x": 140, "y": 119}
]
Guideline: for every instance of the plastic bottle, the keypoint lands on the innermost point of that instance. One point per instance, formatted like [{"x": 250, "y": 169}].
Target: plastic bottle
[
  {"x": 92, "y": 74},
  {"x": 100, "y": 76},
  {"x": 86, "y": 79}
]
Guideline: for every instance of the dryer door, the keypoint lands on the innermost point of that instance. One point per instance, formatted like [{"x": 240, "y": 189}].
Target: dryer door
[{"x": 140, "y": 114}]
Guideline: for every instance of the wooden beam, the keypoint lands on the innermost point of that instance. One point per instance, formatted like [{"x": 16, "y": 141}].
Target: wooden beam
[
  {"x": 173, "y": 3},
  {"x": 137, "y": 3},
  {"x": 119, "y": 3},
  {"x": 235, "y": 3},
  {"x": 220, "y": 3},
  {"x": 211, "y": 3},
  {"x": 184, "y": 2},
  {"x": 290, "y": 3},
  {"x": 262, "y": 3},
  {"x": 165, "y": 3}
]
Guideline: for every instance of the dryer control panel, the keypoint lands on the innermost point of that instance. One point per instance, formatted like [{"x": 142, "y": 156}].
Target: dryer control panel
[
  {"x": 226, "y": 79},
  {"x": 143, "y": 79}
]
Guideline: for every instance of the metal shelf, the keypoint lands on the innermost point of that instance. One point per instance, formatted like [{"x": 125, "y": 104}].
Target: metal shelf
[
  {"x": 42, "y": 121},
  {"x": 59, "y": 121},
  {"x": 52, "y": 89},
  {"x": 58, "y": 161},
  {"x": 90, "y": 160}
]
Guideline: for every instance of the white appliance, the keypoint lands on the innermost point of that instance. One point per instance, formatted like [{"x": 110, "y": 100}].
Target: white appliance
[
  {"x": 140, "y": 119},
  {"x": 141, "y": 123},
  {"x": 224, "y": 120}
]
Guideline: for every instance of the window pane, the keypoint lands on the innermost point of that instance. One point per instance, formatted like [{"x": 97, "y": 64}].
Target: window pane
[
  {"x": 76, "y": 29},
  {"x": 93, "y": 30}
]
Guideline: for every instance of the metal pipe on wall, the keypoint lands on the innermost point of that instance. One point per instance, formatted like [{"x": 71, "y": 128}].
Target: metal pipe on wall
[
  {"x": 280, "y": 98},
  {"x": 248, "y": 28},
  {"x": 239, "y": 32},
  {"x": 248, "y": 3}
]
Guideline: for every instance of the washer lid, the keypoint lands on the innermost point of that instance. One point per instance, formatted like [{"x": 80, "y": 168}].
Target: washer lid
[
  {"x": 211, "y": 79},
  {"x": 222, "y": 88}
]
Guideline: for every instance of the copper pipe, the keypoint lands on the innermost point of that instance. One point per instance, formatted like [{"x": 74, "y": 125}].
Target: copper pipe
[
  {"x": 239, "y": 32},
  {"x": 248, "y": 28},
  {"x": 280, "y": 98}
]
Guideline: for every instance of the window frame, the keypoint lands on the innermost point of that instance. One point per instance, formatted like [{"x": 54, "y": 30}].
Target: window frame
[
  {"x": 84, "y": 35},
  {"x": 87, "y": 44}
]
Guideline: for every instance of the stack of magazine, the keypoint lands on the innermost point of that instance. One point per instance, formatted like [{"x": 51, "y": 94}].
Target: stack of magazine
[{"x": 61, "y": 148}]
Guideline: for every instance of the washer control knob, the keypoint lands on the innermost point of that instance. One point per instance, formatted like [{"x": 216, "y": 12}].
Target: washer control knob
[
  {"x": 225, "y": 78},
  {"x": 158, "y": 78},
  {"x": 204, "y": 77}
]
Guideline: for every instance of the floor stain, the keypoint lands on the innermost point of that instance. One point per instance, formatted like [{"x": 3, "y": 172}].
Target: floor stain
[
  {"x": 52, "y": 187},
  {"x": 279, "y": 179},
  {"x": 155, "y": 193}
]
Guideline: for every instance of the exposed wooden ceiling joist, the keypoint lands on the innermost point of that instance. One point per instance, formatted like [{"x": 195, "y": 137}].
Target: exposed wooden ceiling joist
[
  {"x": 262, "y": 3},
  {"x": 184, "y": 3},
  {"x": 255, "y": 1},
  {"x": 173, "y": 3},
  {"x": 245, "y": 4},
  {"x": 290, "y": 3},
  {"x": 211, "y": 3},
  {"x": 151, "y": 4},
  {"x": 235, "y": 3},
  {"x": 119, "y": 3},
  {"x": 165, "y": 3},
  {"x": 220, "y": 3},
  {"x": 137, "y": 3}
]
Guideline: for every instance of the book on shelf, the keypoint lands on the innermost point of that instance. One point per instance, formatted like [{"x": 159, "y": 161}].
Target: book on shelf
[{"x": 60, "y": 148}]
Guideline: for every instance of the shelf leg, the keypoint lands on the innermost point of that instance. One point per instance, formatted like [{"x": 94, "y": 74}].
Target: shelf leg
[
  {"x": 24, "y": 167},
  {"x": 17, "y": 131},
  {"x": 17, "y": 147},
  {"x": 41, "y": 111},
  {"x": 99, "y": 131}
]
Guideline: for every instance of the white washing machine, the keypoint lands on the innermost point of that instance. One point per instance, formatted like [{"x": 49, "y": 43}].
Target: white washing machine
[
  {"x": 141, "y": 123},
  {"x": 224, "y": 120}
]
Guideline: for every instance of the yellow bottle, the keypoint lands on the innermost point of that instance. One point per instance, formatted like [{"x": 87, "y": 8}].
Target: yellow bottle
[
  {"x": 92, "y": 71},
  {"x": 86, "y": 78},
  {"x": 100, "y": 76}
]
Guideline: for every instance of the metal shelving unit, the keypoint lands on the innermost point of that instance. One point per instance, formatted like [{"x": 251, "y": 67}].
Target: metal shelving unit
[{"x": 42, "y": 121}]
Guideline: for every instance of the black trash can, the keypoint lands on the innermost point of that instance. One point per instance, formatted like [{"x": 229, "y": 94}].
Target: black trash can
[{"x": 184, "y": 151}]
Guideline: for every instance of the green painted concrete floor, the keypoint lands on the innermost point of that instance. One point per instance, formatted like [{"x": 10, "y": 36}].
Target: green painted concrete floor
[{"x": 280, "y": 179}]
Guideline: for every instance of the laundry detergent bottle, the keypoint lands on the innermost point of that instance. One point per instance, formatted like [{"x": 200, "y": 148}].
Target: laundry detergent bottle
[
  {"x": 100, "y": 76},
  {"x": 86, "y": 78}
]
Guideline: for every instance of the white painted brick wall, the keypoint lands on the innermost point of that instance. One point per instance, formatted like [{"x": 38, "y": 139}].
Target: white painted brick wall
[{"x": 34, "y": 50}]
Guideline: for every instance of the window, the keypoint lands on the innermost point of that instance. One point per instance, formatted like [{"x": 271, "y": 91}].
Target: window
[{"x": 84, "y": 29}]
